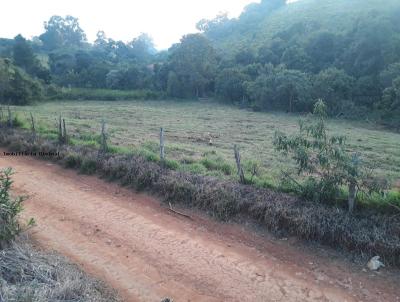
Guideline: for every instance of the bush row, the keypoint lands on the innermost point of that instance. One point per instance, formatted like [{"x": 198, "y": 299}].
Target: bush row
[{"x": 104, "y": 94}]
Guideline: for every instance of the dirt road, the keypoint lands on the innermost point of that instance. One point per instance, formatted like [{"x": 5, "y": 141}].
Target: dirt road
[{"x": 147, "y": 253}]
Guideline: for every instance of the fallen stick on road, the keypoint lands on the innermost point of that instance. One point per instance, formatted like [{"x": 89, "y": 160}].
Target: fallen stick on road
[{"x": 179, "y": 213}]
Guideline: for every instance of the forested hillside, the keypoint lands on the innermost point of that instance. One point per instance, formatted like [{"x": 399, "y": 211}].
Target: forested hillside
[{"x": 275, "y": 56}]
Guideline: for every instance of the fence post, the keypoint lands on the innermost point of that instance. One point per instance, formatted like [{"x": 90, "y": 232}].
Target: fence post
[
  {"x": 162, "y": 148},
  {"x": 33, "y": 128},
  {"x": 352, "y": 195},
  {"x": 65, "y": 138},
  {"x": 60, "y": 131},
  {"x": 103, "y": 138},
  {"x": 9, "y": 121},
  {"x": 239, "y": 165},
  {"x": 1, "y": 116}
]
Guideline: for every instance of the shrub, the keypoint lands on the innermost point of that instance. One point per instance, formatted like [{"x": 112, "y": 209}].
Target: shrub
[
  {"x": 88, "y": 166},
  {"x": 9, "y": 209},
  {"x": 72, "y": 161},
  {"x": 18, "y": 122},
  {"x": 324, "y": 161}
]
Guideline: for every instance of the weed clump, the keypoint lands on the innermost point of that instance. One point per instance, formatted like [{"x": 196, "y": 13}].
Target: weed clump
[
  {"x": 88, "y": 166},
  {"x": 9, "y": 210}
]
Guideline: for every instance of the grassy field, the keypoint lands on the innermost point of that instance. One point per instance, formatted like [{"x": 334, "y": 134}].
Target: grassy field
[{"x": 190, "y": 126}]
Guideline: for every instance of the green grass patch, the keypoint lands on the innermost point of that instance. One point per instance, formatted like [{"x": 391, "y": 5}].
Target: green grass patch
[{"x": 133, "y": 127}]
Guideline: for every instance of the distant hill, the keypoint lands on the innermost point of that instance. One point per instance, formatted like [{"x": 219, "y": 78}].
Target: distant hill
[{"x": 260, "y": 23}]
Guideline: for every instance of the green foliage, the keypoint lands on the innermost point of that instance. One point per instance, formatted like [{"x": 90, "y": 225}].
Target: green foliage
[
  {"x": 390, "y": 104},
  {"x": 275, "y": 56},
  {"x": 323, "y": 160},
  {"x": 252, "y": 170},
  {"x": 147, "y": 154},
  {"x": 217, "y": 163},
  {"x": 280, "y": 89},
  {"x": 334, "y": 87},
  {"x": 72, "y": 160},
  {"x": 171, "y": 164},
  {"x": 18, "y": 122},
  {"x": 16, "y": 86},
  {"x": 10, "y": 208},
  {"x": 193, "y": 67},
  {"x": 105, "y": 94},
  {"x": 230, "y": 84},
  {"x": 88, "y": 166},
  {"x": 62, "y": 32}
]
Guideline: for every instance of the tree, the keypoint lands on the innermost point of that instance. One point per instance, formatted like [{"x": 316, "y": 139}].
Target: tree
[
  {"x": 335, "y": 87},
  {"x": 321, "y": 47},
  {"x": 142, "y": 47},
  {"x": 23, "y": 54},
  {"x": 62, "y": 32},
  {"x": 17, "y": 87},
  {"x": 390, "y": 104},
  {"x": 244, "y": 57},
  {"x": 266, "y": 55},
  {"x": 292, "y": 90},
  {"x": 294, "y": 57},
  {"x": 194, "y": 62},
  {"x": 230, "y": 84},
  {"x": 389, "y": 74},
  {"x": 281, "y": 89},
  {"x": 101, "y": 39}
]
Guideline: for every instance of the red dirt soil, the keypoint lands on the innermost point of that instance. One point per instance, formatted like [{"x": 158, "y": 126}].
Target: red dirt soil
[{"x": 147, "y": 253}]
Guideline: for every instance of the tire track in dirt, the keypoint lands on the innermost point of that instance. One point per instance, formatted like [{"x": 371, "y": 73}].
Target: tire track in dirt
[{"x": 147, "y": 253}]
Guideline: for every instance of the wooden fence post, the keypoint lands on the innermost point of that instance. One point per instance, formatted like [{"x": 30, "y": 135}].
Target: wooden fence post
[
  {"x": 162, "y": 148},
  {"x": 65, "y": 138},
  {"x": 103, "y": 138},
  {"x": 1, "y": 116},
  {"x": 9, "y": 121},
  {"x": 352, "y": 196},
  {"x": 60, "y": 130},
  {"x": 239, "y": 165},
  {"x": 33, "y": 128}
]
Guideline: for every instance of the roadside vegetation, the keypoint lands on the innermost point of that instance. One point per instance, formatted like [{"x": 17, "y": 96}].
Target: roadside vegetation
[
  {"x": 27, "y": 274},
  {"x": 367, "y": 231}
]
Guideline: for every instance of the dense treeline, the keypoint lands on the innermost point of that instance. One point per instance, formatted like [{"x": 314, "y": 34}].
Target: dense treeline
[{"x": 276, "y": 56}]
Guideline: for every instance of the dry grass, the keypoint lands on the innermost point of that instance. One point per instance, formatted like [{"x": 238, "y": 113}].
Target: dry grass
[
  {"x": 30, "y": 275},
  {"x": 190, "y": 126}
]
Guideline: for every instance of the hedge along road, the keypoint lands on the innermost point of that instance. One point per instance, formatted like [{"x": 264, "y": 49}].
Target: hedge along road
[{"x": 147, "y": 252}]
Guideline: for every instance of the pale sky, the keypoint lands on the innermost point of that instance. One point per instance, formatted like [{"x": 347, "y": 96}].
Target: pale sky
[{"x": 165, "y": 20}]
